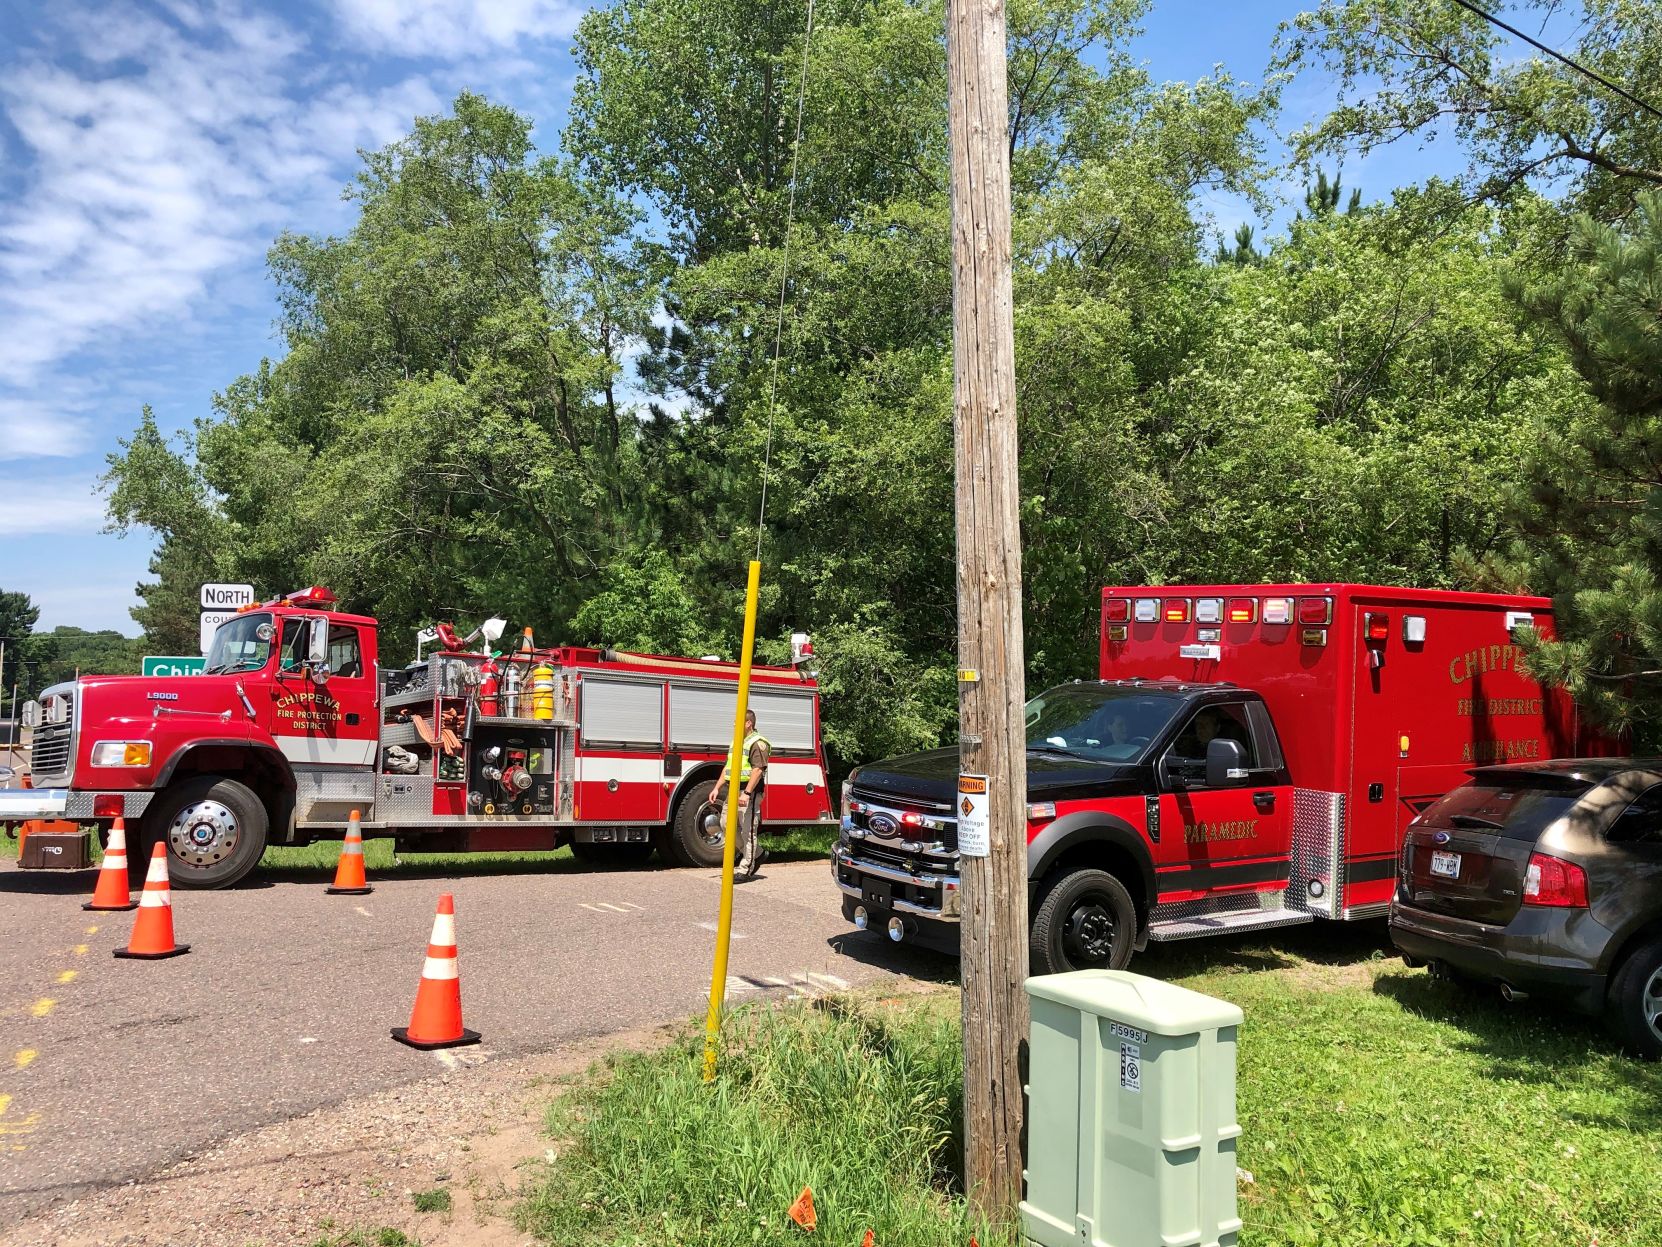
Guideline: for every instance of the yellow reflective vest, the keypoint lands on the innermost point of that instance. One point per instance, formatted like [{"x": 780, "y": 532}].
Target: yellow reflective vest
[{"x": 744, "y": 756}]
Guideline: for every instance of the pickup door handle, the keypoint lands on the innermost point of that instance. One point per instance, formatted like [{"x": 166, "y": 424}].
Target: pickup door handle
[{"x": 1264, "y": 800}]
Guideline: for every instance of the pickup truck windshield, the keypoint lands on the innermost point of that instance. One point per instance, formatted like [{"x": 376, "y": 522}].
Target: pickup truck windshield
[
  {"x": 240, "y": 644},
  {"x": 1099, "y": 723}
]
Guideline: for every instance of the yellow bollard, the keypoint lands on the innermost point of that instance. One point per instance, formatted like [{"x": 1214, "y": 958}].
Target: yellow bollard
[{"x": 724, "y": 923}]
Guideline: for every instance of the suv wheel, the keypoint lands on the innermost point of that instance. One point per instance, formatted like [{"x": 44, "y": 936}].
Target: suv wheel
[
  {"x": 1635, "y": 1005},
  {"x": 1086, "y": 921}
]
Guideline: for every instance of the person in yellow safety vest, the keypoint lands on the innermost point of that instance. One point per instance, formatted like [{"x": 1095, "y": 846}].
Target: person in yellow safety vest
[{"x": 753, "y": 770}]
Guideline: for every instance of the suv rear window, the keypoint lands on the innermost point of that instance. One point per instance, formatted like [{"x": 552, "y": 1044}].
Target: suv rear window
[{"x": 1521, "y": 808}]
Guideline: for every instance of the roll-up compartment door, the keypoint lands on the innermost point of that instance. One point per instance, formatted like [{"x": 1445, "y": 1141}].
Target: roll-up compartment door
[
  {"x": 701, "y": 717},
  {"x": 622, "y": 712},
  {"x": 786, "y": 719}
]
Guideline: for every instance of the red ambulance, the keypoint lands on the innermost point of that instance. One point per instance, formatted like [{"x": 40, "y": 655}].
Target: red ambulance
[{"x": 1249, "y": 758}]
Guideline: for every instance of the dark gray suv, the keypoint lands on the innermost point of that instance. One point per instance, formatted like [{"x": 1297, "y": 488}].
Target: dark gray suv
[{"x": 1545, "y": 878}]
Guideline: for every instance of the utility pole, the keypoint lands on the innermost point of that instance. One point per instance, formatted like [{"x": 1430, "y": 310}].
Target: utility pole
[{"x": 992, "y": 686}]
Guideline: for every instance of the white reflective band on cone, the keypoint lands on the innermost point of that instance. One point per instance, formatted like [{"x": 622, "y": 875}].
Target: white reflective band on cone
[
  {"x": 157, "y": 872},
  {"x": 353, "y": 846},
  {"x": 439, "y": 968},
  {"x": 114, "y": 858},
  {"x": 444, "y": 930},
  {"x": 155, "y": 900}
]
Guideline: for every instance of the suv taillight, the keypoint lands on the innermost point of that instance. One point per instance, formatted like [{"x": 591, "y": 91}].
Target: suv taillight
[{"x": 1552, "y": 881}]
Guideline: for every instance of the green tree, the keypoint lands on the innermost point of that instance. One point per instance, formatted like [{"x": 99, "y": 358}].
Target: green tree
[
  {"x": 1415, "y": 70},
  {"x": 26, "y": 650},
  {"x": 76, "y": 650},
  {"x": 1592, "y": 510}
]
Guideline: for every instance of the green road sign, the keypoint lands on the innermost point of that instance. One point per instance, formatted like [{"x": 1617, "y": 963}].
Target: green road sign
[{"x": 173, "y": 664}]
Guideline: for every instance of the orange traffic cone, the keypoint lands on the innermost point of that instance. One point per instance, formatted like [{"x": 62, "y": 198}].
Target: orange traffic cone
[
  {"x": 153, "y": 931},
  {"x": 436, "y": 1020},
  {"x": 870, "y": 1240},
  {"x": 802, "y": 1212},
  {"x": 349, "y": 870},
  {"x": 111, "y": 890}
]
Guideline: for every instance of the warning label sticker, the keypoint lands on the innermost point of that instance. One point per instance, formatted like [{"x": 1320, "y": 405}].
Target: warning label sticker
[
  {"x": 975, "y": 835},
  {"x": 1131, "y": 1066}
]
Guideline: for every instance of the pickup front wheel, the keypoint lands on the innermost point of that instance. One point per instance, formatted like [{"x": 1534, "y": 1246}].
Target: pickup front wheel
[
  {"x": 1086, "y": 921},
  {"x": 214, "y": 830}
]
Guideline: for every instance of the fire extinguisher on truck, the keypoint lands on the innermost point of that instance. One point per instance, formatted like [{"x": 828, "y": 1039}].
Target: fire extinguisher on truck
[
  {"x": 1248, "y": 758},
  {"x": 293, "y": 724}
]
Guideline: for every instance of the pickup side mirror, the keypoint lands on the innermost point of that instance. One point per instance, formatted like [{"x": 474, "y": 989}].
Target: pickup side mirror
[{"x": 1225, "y": 763}]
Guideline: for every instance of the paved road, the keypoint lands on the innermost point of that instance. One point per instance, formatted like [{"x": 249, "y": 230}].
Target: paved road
[{"x": 109, "y": 1068}]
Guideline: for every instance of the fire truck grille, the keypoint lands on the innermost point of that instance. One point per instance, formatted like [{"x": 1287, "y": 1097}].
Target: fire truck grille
[{"x": 50, "y": 755}]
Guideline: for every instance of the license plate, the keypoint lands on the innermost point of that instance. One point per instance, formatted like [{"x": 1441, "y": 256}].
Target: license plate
[{"x": 1445, "y": 865}]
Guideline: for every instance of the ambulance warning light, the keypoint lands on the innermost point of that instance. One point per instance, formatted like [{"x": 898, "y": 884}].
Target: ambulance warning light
[
  {"x": 1278, "y": 610},
  {"x": 1317, "y": 611},
  {"x": 1147, "y": 610},
  {"x": 1176, "y": 610},
  {"x": 1243, "y": 610},
  {"x": 1116, "y": 610},
  {"x": 1208, "y": 610}
]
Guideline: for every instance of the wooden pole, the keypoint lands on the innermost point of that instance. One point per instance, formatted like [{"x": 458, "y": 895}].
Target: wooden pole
[{"x": 992, "y": 667}]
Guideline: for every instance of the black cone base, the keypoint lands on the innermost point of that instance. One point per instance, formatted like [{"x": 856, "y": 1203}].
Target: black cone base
[
  {"x": 110, "y": 909},
  {"x": 172, "y": 952},
  {"x": 332, "y": 890},
  {"x": 402, "y": 1034}
]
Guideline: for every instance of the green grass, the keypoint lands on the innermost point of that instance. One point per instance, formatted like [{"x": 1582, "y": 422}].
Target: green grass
[
  {"x": 857, "y": 1102},
  {"x": 1379, "y": 1107},
  {"x": 435, "y": 1200}
]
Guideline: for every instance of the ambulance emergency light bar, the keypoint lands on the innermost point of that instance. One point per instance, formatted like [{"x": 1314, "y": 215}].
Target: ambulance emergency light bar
[{"x": 1309, "y": 612}]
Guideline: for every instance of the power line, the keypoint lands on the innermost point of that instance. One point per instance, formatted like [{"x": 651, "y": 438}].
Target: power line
[
  {"x": 1559, "y": 56},
  {"x": 784, "y": 282}
]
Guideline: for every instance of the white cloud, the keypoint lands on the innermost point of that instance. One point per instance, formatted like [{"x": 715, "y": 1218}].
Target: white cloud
[
  {"x": 158, "y": 154},
  {"x": 453, "y": 28},
  {"x": 34, "y": 426},
  {"x": 67, "y": 504}
]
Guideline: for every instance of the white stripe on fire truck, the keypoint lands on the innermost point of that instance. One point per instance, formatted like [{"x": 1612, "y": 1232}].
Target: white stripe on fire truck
[
  {"x": 625, "y": 770},
  {"x": 323, "y": 749},
  {"x": 795, "y": 773}
]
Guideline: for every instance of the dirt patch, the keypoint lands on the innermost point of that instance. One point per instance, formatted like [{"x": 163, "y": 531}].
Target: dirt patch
[{"x": 353, "y": 1166}]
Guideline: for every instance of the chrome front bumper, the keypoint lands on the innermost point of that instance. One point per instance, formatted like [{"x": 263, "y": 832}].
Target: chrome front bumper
[
  {"x": 21, "y": 804},
  {"x": 925, "y": 894}
]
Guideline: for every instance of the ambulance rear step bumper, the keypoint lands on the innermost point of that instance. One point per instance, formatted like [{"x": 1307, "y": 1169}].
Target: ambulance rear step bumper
[{"x": 1218, "y": 924}]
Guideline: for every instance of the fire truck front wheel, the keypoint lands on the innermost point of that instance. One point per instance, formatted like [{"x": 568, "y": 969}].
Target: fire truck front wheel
[
  {"x": 214, "y": 830},
  {"x": 1086, "y": 921}
]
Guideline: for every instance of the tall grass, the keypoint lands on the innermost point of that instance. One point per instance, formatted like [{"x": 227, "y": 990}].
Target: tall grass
[{"x": 860, "y": 1103}]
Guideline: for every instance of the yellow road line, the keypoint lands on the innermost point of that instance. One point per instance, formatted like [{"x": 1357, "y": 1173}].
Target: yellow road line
[
  {"x": 81, "y": 949},
  {"x": 24, "y": 1056},
  {"x": 92, "y": 930},
  {"x": 41, "y": 1008},
  {"x": 67, "y": 976}
]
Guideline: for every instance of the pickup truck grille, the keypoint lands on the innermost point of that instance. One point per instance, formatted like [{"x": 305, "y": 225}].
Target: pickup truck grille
[
  {"x": 52, "y": 752},
  {"x": 903, "y": 842}
]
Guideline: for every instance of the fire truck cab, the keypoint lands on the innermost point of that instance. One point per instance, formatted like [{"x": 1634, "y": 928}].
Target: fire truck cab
[
  {"x": 294, "y": 724},
  {"x": 1249, "y": 758}
]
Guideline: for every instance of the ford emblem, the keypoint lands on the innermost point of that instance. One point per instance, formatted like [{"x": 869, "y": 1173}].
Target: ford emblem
[
  {"x": 883, "y": 825},
  {"x": 1442, "y": 837}
]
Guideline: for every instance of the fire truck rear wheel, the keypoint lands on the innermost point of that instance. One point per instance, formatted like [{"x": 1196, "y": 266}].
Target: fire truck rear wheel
[
  {"x": 1086, "y": 921},
  {"x": 689, "y": 844},
  {"x": 214, "y": 829}
]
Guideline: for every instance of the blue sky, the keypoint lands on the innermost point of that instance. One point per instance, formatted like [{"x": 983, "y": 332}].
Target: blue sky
[{"x": 151, "y": 149}]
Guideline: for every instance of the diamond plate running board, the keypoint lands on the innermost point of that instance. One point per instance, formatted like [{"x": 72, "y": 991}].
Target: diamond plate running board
[{"x": 1218, "y": 924}]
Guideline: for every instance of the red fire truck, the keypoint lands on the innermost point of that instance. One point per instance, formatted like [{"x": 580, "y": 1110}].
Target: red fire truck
[
  {"x": 1249, "y": 758},
  {"x": 293, "y": 724}
]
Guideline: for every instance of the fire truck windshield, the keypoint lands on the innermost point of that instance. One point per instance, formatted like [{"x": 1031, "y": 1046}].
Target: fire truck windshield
[
  {"x": 240, "y": 644},
  {"x": 1098, "y": 723}
]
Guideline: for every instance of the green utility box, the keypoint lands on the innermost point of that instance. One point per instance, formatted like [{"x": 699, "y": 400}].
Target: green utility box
[{"x": 1131, "y": 1114}]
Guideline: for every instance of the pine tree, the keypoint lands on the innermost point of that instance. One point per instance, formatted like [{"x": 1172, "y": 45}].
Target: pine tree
[
  {"x": 1592, "y": 510},
  {"x": 1243, "y": 252}
]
